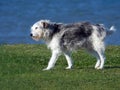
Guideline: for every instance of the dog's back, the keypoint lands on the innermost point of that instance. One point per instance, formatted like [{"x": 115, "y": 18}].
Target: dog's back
[{"x": 75, "y": 35}]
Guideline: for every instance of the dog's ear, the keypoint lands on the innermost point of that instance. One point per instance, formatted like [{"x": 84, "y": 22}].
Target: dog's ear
[
  {"x": 45, "y": 24},
  {"x": 56, "y": 26}
]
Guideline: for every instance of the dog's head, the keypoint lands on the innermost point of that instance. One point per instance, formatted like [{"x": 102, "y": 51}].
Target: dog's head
[
  {"x": 42, "y": 28},
  {"x": 37, "y": 30}
]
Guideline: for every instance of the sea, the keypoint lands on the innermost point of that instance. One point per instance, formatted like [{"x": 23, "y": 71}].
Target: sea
[{"x": 17, "y": 17}]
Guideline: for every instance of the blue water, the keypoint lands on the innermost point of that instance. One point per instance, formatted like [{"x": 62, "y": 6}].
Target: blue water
[{"x": 17, "y": 16}]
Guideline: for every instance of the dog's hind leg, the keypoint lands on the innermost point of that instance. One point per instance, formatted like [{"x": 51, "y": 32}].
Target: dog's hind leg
[
  {"x": 102, "y": 59},
  {"x": 95, "y": 54},
  {"x": 99, "y": 54},
  {"x": 69, "y": 60}
]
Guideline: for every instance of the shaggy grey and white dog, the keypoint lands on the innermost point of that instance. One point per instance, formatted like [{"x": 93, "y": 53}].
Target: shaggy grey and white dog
[{"x": 65, "y": 38}]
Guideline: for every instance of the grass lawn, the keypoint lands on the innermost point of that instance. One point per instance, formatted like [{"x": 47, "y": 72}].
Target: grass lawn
[{"x": 21, "y": 69}]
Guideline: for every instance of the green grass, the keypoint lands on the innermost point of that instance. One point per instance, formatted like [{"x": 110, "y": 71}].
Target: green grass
[{"x": 21, "y": 69}]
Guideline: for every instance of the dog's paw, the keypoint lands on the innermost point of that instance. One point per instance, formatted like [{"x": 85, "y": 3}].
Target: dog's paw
[
  {"x": 46, "y": 69},
  {"x": 68, "y": 68},
  {"x": 98, "y": 68}
]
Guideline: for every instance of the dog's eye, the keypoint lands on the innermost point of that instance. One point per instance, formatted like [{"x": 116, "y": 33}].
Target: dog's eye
[{"x": 36, "y": 27}]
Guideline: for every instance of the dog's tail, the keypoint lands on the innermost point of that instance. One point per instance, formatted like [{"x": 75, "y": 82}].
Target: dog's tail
[{"x": 111, "y": 30}]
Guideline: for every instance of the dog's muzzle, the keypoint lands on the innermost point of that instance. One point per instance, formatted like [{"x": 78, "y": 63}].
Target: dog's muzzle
[
  {"x": 36, "y": 38},
  {"x": 31, "y": 34}
]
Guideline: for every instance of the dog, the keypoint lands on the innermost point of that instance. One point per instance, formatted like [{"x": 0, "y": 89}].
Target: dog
[{"x": 66, "y": 38}]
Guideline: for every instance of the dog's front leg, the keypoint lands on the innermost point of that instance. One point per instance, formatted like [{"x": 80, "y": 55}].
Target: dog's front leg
[
  {"x": 69, "y": 60},
  {"x": 53, "y": 59}
]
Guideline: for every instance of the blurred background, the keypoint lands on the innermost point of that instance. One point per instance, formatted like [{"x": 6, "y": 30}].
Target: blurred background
[{"x": 17, "y": 16}]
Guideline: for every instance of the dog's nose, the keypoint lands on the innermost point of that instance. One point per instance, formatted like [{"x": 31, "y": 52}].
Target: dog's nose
[{"x": 31, "y": 34}]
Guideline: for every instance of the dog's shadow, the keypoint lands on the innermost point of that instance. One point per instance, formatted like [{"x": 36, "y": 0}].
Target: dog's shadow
[
  {"x": 105, "y": 67},
  {"x": 112, "y": 67}
]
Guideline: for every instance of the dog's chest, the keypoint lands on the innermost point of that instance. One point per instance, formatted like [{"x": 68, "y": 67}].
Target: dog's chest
[{"x": 54, "y": 43}]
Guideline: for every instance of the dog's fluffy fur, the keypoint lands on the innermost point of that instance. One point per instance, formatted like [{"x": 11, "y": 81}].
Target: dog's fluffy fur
[{"x": 65, "y": 38}]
